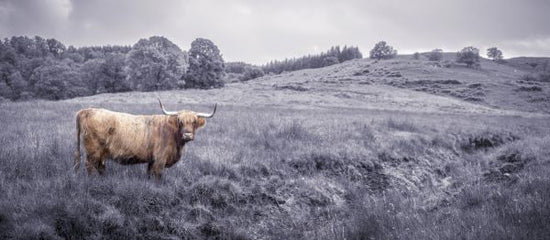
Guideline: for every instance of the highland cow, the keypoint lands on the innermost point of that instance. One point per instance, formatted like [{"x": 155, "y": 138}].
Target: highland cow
[{"x": 157, "y": 140}]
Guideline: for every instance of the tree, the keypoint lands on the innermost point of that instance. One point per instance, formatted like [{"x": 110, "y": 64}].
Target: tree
[
  {"x": 92, "y": 75},
  {"x": 73, "y": 54},
  {"x": 468, "y": 55},
  {"x": 45, "y": 68},
  {"x": 495, "y": 54},
  {"x": 22, "y": 45},
  {"x": 105, "y": 75},
  {"x": 58, "y": 80},
  {"x": 243, "y": 71},
  {"x": 156, "y": 64},
  {"x": 11, "y": 83},
  {"x": 206, "y": 65},
  {"x": 382, "y": 51},
  {"x": 55, "y": 47},
  {"x": 41, "y": 46},
  {"x": 27, "y": 67},
  {"x": 115, "y": 77},
  {"x": 251, "y": 73},
  {"x": 416, "y": 55},
  {"x": 333, "y": 56},
  {"x": 330, "y": 60},
  {"x": 435, "y": 55}
]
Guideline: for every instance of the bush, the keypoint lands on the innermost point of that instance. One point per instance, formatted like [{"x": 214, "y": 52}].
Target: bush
[
  {"x": 435, "y": 55},
  {"x": 537, "y": 77},
  {"x": 468, "y": 55},
  {"x": 243, "y": 71},
  {"x": 382, "y": 51},
  {"x": 251, "y": 73},
  {"x": 495, "y": 54}
]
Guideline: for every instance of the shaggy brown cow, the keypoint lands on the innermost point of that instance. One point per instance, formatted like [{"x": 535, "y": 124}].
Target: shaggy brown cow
[{"x": 157, "y": 140}]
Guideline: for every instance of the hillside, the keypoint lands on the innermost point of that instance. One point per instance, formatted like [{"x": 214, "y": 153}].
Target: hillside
[
  {"x": 495, "y": 85},
  {"x": 529, "y": 63},
  {"x": 397, "y": 84}
]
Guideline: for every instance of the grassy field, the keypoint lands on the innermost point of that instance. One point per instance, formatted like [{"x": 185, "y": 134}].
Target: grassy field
[{"x": 280, "y": 172}]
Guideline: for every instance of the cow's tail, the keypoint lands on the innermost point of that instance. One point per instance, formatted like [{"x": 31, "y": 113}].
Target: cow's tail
[{"x": 78, "y": 131}]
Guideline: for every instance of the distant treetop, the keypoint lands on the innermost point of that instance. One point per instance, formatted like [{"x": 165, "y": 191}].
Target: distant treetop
[
  {"x": 333, "y": 56},
  {"x": 495, "y": 54},
  {"x": 435, "y": 55},
  {"x": 382, "y": 51},
  {"x": 468, "y": 55},
  {"x": 206, "y": 65}
]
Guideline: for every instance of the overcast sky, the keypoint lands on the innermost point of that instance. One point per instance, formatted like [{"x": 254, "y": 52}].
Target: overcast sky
[{"x": 258, "y": 31}]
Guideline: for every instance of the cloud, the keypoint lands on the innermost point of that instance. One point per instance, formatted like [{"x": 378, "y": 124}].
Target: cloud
[
  {"x": 33, "y": 17},
  {"x": 528, "y": 47},
  {"x": 259, "y": 31}
]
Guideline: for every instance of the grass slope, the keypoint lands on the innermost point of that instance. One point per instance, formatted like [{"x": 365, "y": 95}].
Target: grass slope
[{"x": 398, "y": 84}]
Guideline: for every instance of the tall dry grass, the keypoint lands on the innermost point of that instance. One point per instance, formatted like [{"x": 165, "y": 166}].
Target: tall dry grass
[{"x": 285, "y": 174}]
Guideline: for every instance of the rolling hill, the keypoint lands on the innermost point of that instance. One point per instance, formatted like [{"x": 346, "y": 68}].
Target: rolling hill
[{"x": 399, "y": 84}]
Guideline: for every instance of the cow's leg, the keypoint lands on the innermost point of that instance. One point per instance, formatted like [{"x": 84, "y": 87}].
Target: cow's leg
[
  {"x": 158, "y": 165},
  {"x": 101, "y": 164},
  {"x": 89, "y": 166},
  {"x": 93, "y": 160},
  {"x": 149, "y": 167},
  {"x": 93, "y": 153}
]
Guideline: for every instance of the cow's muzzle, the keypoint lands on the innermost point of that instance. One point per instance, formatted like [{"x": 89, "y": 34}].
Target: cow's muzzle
[{"x": 188, "y": 137}]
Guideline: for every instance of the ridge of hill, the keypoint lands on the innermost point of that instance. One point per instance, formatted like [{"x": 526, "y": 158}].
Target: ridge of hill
[
  {"x": 493, "y": 85},
  {"x": 401, "y": 83}
]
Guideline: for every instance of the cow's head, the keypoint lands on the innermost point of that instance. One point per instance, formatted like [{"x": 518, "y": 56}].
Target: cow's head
[{"x": 188, "y": 121}]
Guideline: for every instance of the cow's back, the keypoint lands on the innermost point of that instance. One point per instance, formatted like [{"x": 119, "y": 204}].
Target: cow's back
[{"x": 123, "y": 137}]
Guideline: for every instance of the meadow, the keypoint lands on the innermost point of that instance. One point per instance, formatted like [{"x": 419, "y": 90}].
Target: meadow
[{"x": 276, "y": 172}]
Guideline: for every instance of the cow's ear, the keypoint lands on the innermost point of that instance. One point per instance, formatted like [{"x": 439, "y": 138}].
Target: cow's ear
[{"x": 200, "y": 122}]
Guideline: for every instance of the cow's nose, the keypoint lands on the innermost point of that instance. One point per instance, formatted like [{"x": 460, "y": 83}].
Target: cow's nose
[{"x": 188, "y": 136}]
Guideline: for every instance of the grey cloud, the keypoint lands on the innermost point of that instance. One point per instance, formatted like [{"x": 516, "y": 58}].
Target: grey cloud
[
  {"x": 32, "y": 17},
  {"x": 258, "y": 31}
]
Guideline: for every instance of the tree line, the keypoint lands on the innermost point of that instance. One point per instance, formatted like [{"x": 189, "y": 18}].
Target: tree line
[
  {"x": 468, "y": 55},
  {"x": 333, "y": 56},
  {"x": 241, "y": 71},
  {"x": 47, "y": 69}
]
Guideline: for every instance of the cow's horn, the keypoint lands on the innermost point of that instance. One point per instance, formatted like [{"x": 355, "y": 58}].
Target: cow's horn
[
  {"x": 206, "y": 115},
  {"x": 164, "y": 110}
]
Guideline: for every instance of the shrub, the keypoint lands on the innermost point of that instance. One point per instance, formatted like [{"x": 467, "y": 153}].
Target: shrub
[
  {"x": 537, "y": 77},
  {"x": 251, "y": 73},
  {"x": 495, "y": 54},
  {"x": 382, "y": 51},
  {"x": 468, "y": 55},
  {"x": 435, "y": 55}
]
